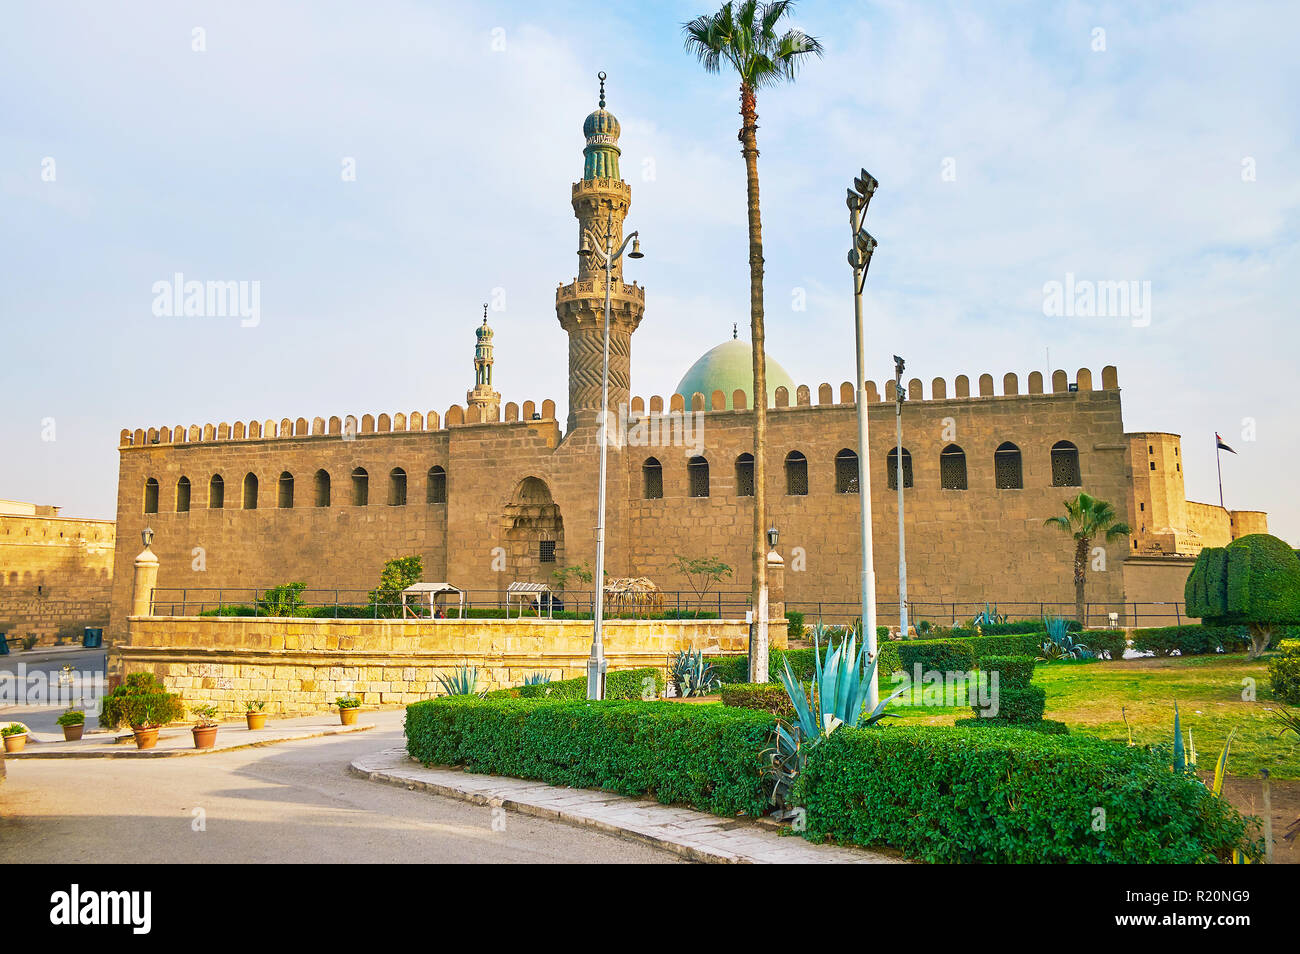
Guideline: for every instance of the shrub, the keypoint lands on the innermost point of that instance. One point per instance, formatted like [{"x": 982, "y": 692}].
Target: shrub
[
  {"x": 943, "y": 655},
  {"x": 1190, "y": 639},
  {"x": 283, "y": 600},
  {"x": 397, "y": 574},
  {"x": 621, "y": 684},
  {"x": 1108, "y": 643},
  {"x": 1254, "y": 580},
  {"x": 141, "y": 700},
  {"x": 1017, "y": 628},
  {"x": 764, "y": 696},
  {"x": 797, "y": 628},
  {"x": 1011, "y": 670},
  {"x": 72, "y": 717},
  {"x": 1284, "y": 673},
  {"x": 1045, "y": 726},
  {"x": 704, "y": 756},
  {"x": 731, "y": 669},
  {"x": 1004, "y": 796}
]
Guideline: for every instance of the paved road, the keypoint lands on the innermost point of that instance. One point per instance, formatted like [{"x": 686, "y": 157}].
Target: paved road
[
  {"x": 37, "y": 672},
  {"x": 292, "y": 802}
]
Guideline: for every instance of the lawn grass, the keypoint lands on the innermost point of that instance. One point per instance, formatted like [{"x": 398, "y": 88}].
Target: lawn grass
[{"x": 1209, "y": 690}]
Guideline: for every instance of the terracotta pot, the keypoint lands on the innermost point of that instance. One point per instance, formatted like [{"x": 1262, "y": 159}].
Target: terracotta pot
[
  {"x": 205, "y": 736},
  {"x": 15, "y": 743},
  {"x": 348, "y": 716},
  {"x": 72, "y": 733},
  {"x": 146, "y": 738},
  {"x": 256, "y": 720}
]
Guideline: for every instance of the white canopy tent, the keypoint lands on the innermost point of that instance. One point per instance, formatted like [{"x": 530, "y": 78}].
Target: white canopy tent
[
  {"x": 429, "y": 593},
  {"x": 529, "y": 591}
]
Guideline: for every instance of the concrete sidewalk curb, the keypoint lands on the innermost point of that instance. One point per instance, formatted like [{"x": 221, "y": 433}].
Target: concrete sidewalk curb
[
  {"x": 694, "y": 835},
  {"x": 129, "y": 751}
]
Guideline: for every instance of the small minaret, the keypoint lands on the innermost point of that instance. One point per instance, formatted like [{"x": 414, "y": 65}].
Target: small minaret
[{"x": 482, "y": 396}]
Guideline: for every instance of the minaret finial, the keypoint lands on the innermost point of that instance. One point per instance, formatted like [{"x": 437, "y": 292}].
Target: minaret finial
[
  {"x": 485, "y": 308},
  {"x": 601, "y": 74},
  {"x": 734, "y": 332}
]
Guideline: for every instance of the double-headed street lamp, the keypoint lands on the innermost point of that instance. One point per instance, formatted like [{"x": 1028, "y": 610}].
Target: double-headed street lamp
[
  {"x": 859, "y": 197},
  {"x": 596, "y": 662}
]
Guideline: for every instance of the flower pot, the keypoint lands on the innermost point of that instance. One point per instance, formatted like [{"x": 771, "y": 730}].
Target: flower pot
[
  {"x": 146, "y": 738},
  {"x": 348, "y": 716},
  {"x": 205, "y": 736},
  {"x": 256, "y": 720},
  {"x": 15, "y": 743},
  {"x": 72, "y": 733}
]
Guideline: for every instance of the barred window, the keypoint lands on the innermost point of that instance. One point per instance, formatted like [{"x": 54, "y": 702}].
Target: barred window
[
  {"x": 546, "y": 551},
  {"x": 796, "y": 474},
  {"x": 652, "y": 479},
  {"x": 1006, "y": 467},
  {"x": 322, "y": 488},
  {"x": 436, "y": 489},
  {"x": 952, "y": 468},
  {"x": 151, "y": 496},
  {"x": 397, "y": 487},
  {"x": 745, "y": 475},
  {"x": 1065, "y": 465},
  {"x": 360, "y": 487},
  {"x": 216, "y": 492},
  {"x": 891, "y": 468},
  {"x": 846, "y": 472},
  {"x": 183, "y": 495},
  {"x": 698, "y": 470}
]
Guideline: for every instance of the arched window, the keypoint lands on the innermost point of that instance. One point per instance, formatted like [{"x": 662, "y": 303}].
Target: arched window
[
  {"x": 652, "y": 479},
  {"x": 151, "y": 496},
  {"x": 952, "y": 468},
  {"x": 436, "y": 491},
  {"x": 1065, "y": 465},
  {"x": 360, "y": 487},
  {"x": 183, "y": 495},
  {"x": 891, "y": 468},
  {"x": 846, "y": 472},
  {"x": 745, "y": 475},
  {"x": 322, "y": 488},
  {"x": 1006, "y": 467},
  {"x": 250, "y": 492},
  {"x": 397, "y": 487},
  {"x": 697, "y": 468},
  {"x": 286, "y": 491},
  {"x": 216, "y": 492},
  {"x": 796, "y": 474}
]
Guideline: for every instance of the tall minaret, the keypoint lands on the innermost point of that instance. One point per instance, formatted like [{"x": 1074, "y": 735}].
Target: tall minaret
[
  {"x": 600, "y": 201},
  {"x": 481, "y": 395}
]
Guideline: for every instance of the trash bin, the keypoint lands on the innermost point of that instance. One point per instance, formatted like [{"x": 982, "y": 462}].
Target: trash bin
[
  {"x": 4, "y": 645},
  {"x": 93, "y": 638}
]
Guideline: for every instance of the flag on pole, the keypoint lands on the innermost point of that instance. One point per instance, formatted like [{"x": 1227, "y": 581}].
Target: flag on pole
[{"x": 1219, "y": 445}]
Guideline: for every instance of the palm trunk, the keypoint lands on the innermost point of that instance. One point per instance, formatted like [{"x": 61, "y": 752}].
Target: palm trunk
[
  {"x": 1080, "y": 579},
  {"x": 749, "y": 149}
]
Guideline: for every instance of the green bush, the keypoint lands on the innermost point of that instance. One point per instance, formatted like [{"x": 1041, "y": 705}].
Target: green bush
[
  {"x": 140, "y": 700},
  {"x": 1191, "y": 639},
  {"x": 766, "y": 697},
  {"x": 943, "y": 655},
  {"x": 1254, "y": 579},
  {"x": 1016, "y": 628},
  {"x": 1011, "y": 670},
  {"x": 1284, "y": 673},
  {"x": 619, "y": 684},
  {"x": 1045, "y": 726},
  {"x": 1109, "y": 643},
  {"x": 1006, "y": 796},
  {"x": 730, "y": 669},
  {"x": 708, "y": 757}
]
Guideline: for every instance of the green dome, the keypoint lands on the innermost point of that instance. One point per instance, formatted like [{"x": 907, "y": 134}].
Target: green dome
[{"x": 729, "y": 367}]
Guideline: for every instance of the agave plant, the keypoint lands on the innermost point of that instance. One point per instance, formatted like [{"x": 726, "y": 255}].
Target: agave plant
[
  {"x": 537, "y": 679},
  {"x": 989, "y": 617},
  {"x": 839, "y": 692},
  {"x": 460, "y": 682},
  {"x": 692, "y": 675},
  {"x": 1059, "y": 643}
]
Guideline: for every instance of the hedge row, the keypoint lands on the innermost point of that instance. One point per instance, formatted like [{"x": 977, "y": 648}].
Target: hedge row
[
  {"x": 708, "y": 757},
  {"x": 768, "y": 697},
  {"x": 1110, "y": 643},
  {"x": 1195, "y": 639},
  {"x": 1284, "y": 674},
  {"x": 1010, "y": 796},
  {"x": 619, "y": 684},
  {"x": 1017, "y": 628}
]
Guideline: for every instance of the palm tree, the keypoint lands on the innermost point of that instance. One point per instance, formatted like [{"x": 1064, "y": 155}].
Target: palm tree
[
  {"x": 746, "y": 38},
  {"x": 1086, "y": 519}
]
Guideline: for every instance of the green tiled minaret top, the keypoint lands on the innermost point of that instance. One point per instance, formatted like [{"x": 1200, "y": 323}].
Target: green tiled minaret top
[{"x": 601, "y": 152}]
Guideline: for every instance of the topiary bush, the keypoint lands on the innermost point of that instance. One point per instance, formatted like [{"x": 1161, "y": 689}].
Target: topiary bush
[
  {"x": 1005, "y": 796},
  {"x": 765, "y": 697},
  {"x": 1011, "y": 670},
  {"x": 1284, "y": 674},
  {"x": 709, "y": 757},
  {"x": 1254, "y": 580}
]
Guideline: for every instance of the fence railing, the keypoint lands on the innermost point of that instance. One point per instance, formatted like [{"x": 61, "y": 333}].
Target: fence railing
[
  {"x": 356, "y": 604},
  {"x": 950, "y": 613}
]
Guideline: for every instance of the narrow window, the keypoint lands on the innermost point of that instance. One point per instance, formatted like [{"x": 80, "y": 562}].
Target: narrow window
[
  {"x": 796, "y": 474},
  {"x": 698, "y": 470},
  {"x": 250, "y": 492},
  {"x": 745, "y": 475},
  {"x": 322, "y": 488},
  {"x": 846, "y": 472},
  {"x": 652, "y": 479},
  {"x": 952, "y": 468},
  {"x": 1065, "y": 465},
  {"x": 360, "y": 487},
  {"x": 891, "y": 468},
  {"x": 436, "y": 492},
  {"x": 183, "y": 495},
  {"x": 1006, "y": 467},
  {"x": 397, "y": 488},
  {"x": 216, "y": 493},
  {"x": 286, "y": 491},
  {"x": 151, "y": 496}
]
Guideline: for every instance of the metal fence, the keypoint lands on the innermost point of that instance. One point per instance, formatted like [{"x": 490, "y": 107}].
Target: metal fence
[
  {"x": 356, "y": 604},
  {"x": 950, "y": 613}
]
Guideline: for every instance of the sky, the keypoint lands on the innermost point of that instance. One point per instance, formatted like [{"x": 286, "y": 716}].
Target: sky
[{"x": 382, "y": 169}]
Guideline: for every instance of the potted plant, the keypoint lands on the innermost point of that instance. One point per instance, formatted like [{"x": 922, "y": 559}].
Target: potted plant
[
  {"x": 255, "y": 713},
  {"x": 74, "y": 723},
  {"x": 348, "y": 708},
  {"x": 143, "y": 703},
  {"x": 205, "y": 729},
  {"x": 15, "y": 736}
]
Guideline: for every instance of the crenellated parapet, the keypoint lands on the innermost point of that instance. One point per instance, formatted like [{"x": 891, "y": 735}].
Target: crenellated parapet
[{"x": 347, "y": 426}]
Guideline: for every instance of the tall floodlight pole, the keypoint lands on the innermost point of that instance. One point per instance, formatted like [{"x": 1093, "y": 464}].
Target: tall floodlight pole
[
  {"x": 596, "y": 662},
  {"x": 859, "y": 197},
  {"x": 900, "y": 395}
]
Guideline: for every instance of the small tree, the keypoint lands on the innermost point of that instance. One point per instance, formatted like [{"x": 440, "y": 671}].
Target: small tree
[
  {"x": 398, "y": 574},
  {"x": 1086, "y": 519},
  {"x": 702, "y": 573},
  {"x": 583, "y": 574},
  {"x": 283, "y": 600},
  {"x": 1254, "y": 580}
]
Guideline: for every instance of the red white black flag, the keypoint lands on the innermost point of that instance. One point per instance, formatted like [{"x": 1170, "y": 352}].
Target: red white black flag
[{"x": 1218, "y": 443}]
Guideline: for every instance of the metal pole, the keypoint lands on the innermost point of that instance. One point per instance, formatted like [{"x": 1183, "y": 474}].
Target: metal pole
[
  {"x": 1218, "y": 463},
  {"x": 864, "y": 478},
  {"x": 596, "y": 664},
  {"x": 902, "y": 543}
]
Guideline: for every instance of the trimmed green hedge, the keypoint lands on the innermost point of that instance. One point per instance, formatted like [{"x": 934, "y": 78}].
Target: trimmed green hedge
[
  {"x": 1007, "y": 796},
  {"x": 765, "y": 696},
  {"x": 1110, "y": 643},
  {"x": 708, "y": 757},
  {"x": 1045, "y": 726},
  {"x": 1016, "y": 628},
  {"x": 619, "y": 684},
  {"x": 1284, "y": 674},
  {"x": 1011, "y": 670}
]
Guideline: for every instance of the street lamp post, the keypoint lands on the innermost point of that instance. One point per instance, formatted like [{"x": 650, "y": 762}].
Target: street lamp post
[
  {"x": 900, "y": 395},
  {"x": 596, "y": 665},
  {"x": 859, "y": 197}
]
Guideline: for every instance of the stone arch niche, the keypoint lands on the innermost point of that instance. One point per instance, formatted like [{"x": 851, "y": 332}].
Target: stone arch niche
[{"x": 532, "y": 532}]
